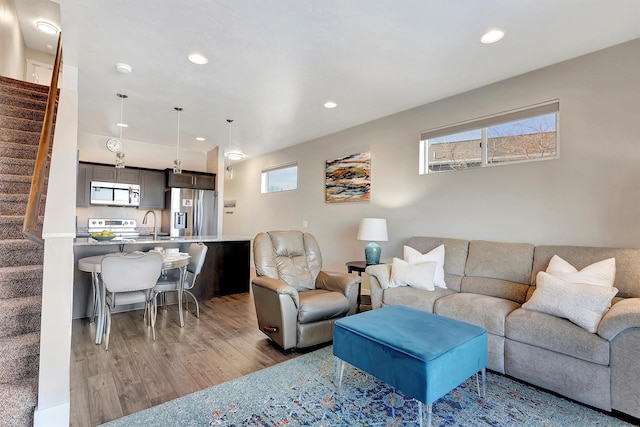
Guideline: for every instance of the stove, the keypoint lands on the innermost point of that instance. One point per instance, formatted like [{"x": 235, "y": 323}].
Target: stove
[{"x": 121, "y": 227}]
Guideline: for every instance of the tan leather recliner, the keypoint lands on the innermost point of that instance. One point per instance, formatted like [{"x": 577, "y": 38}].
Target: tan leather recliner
[{"x": 296, "y": 302}]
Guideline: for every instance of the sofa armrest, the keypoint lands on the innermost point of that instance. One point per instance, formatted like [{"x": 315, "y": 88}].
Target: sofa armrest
[
  {"x": 278, "y": 286},
  {"x": 379, "y": 277},
  {"x": 622, "y": 315},
  {"x": 347, "y": 284}
]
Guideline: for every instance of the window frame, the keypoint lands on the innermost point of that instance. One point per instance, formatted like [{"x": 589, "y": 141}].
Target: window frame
[
  {"x": 482, "y": 124},
  {"x": 264, "y": 181}
]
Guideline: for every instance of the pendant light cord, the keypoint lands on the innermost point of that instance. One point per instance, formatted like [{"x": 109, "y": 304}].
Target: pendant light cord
[{"x": 178, "y": 109}]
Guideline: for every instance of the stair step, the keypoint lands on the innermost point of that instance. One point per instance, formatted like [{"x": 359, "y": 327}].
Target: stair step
[
  {"x": 11, "y": 226},
  {"x": 24, "y": 92},
  {"x": 19, "y": 316},
  {"x": 16, "y": 204},
  {"x": 19, "y": 401},
  {"x": 16, "y": 136},
  {"x": 15, "y": 253},
  {"x": 19, "y": 357},
  {"x": 24, "y": 85},
  {"x": 12, "y": 99},
  {"x": 20, "y": 281},
  {"x": 13, "y": 166},
  {"x": 16, "y": 123},
  {"x": 15, "y": 183},
  {"x": 22, "y": 113}
]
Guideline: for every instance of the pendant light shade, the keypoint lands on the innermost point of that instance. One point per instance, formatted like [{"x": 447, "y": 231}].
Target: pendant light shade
[
  {"x": 177, "y": 164},
  {"x": 232, "y": 152},
  {"x": 120, "y": 154}
]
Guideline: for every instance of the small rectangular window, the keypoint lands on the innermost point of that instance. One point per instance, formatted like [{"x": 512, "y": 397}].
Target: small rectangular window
[
  {"x": 517, "y": 136},
  {"x": 283, "y": 178}
]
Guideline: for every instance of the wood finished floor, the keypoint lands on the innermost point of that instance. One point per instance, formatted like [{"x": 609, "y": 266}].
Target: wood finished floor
[{"x": 137, "y": 372}]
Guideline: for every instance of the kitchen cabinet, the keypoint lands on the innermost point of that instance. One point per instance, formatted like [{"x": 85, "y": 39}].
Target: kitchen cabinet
[
  {"x": 226, "y": 269},
  {"x": 83, "y": 185},
  {"x": 197, "y": 180},
  {"x": 112, "y": 174},
  {"x": 152, "y": 186}
]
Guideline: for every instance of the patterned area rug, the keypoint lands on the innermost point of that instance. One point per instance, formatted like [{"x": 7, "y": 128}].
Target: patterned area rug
[{"x": 301, "y": 392}]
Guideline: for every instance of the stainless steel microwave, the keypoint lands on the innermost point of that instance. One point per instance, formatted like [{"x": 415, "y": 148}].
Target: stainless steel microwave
[{"x": 115, "y": 194}]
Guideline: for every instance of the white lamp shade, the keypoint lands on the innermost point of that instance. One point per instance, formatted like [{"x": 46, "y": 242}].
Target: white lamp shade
[{"x": 373, "y": 230}]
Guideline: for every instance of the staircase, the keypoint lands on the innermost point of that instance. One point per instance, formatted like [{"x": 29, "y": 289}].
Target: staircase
[{"x": 22, "y": 107}]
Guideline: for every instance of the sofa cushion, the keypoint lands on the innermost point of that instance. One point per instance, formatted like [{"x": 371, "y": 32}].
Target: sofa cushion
[
  {"x": 495, "y": 287},
  {"x": 418, "y": 276},
  {"x": 412, "y": 256},
  {"x": 480, "y": 310},
  {"x": 556, "y": 334},
  {"x": 582, "y": 304},
  {"x": 455, "y": 256},
  {"x": 627, "y": 263},
  {"x": 319, "y": 304},
  {"x": 507, "y": 261},
  {"x": 415, "y": 298}
]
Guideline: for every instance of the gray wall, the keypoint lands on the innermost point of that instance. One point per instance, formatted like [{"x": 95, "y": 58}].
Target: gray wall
[{"x": 589, "y": 196}]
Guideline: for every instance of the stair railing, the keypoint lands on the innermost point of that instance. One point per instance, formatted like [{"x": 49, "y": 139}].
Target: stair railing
[{"x": 30, "y": 228}]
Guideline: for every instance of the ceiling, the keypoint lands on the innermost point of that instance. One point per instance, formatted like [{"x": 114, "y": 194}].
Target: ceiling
[{"x": 274, "y": 63}]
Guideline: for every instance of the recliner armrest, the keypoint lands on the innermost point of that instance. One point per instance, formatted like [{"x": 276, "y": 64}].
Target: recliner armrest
[
  {"x": 338, "y": 282},
  {"x": 277, "y": 286},
  {"x": 621, "y": 316}
]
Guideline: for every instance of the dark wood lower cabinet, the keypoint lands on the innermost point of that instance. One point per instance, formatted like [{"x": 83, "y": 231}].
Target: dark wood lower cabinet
[{"x": 225, "y": 271}]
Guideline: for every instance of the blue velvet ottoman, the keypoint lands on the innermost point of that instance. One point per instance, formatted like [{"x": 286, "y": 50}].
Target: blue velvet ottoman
[{"x": 421, "y": 354}]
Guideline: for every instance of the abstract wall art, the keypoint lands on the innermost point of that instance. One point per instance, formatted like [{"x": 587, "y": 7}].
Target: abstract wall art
[{"x": 348, "y": 179}]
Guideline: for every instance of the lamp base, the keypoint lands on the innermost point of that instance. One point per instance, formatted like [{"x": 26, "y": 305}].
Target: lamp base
[{"x": 372, "y": 253}]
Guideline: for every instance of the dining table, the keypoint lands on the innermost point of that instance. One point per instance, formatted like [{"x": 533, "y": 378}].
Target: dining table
[{"x": 93, "y": 265}]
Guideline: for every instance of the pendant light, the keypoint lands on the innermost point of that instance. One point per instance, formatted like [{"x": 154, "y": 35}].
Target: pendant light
[
  {"x": 121, "y": 124},
  {"x": 233, "y": 152},
  {"x": 177, "y": 168}
]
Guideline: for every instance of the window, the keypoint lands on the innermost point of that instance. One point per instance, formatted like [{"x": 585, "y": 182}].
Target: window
[
  {"x": 280, "y": 179},
  {"x": 518, "y": 136}
]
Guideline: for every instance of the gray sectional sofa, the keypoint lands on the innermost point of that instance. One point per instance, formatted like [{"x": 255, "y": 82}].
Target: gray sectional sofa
[{"x": 487, "y": 282}]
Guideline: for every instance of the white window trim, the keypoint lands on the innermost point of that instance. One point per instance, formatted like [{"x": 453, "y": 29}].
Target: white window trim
[
  {"x": 482, "y": 123},
  {"x": 264, "y": 183}
]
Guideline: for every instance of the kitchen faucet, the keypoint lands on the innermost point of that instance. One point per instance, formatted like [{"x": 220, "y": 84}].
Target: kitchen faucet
[{"x": 155, "y": 227}]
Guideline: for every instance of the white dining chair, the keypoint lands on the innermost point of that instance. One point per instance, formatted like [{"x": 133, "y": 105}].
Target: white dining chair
[
  {"x": 129, "y": 279},
  {"x": 198, "y": 253}
]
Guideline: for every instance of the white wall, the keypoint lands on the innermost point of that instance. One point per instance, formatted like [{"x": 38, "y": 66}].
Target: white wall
[
  {"x": 12, "y": 48},
  {"x": 590, "y": 196}
]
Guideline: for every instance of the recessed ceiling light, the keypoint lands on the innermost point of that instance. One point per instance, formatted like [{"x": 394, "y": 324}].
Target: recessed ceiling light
[
  {"x": 198, "y": 59},
  {"x": 122, "y": 125},
  {"x": 492, "y": 36},
  {"x": 330, "y": 104},
  {"x": 124, "y": 68},
  {"x": 47, "y": 27},
  {"x": 200, "y": 139}
]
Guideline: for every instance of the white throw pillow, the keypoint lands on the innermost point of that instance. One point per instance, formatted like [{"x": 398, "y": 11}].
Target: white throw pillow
[
  {"x": 580, "y": 303},
  {"x": 601, "y": 273},
  {"x": 413, "y": 256},
  {"x": 415, "y": 275}
]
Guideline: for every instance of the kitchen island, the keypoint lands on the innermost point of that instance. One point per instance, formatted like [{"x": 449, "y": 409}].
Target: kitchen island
[{"x": 225, "y": 271}]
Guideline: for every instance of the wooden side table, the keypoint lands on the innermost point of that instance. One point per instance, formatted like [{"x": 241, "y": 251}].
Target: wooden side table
[{"x": 359, "y": 267}]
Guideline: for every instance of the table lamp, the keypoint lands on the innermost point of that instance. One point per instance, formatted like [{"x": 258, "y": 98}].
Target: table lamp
[{"x": 373, "y": 229}]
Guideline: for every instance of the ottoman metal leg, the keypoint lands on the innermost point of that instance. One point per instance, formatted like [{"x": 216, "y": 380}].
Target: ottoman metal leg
[
  {"x": 339, "y": 371},
  {"x": 420, "y": 413},
  {"x": 482, "y": 393}
]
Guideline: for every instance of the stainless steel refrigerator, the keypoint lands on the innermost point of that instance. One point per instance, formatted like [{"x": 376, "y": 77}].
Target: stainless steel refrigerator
[{"x": 189, "y": 212}]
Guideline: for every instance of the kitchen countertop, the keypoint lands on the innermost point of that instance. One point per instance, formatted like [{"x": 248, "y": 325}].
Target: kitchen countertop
[{"x": 87, "y": 241}]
